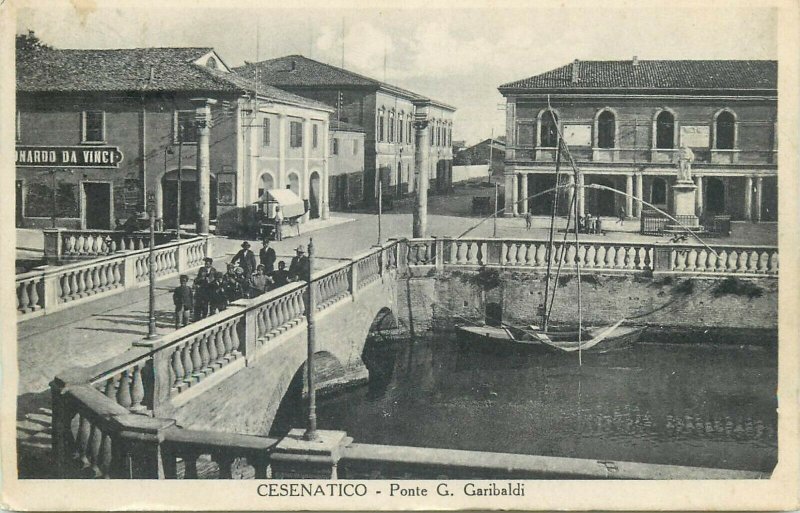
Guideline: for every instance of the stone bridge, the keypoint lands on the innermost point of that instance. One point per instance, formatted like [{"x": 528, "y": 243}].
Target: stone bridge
[{"x": 216, "y": 386}]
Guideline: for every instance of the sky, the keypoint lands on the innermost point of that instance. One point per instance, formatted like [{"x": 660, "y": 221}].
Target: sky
[{"x": 457, "y": 55}]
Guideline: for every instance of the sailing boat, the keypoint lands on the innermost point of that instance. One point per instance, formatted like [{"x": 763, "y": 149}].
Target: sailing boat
[{"x": 553, "y": 338}]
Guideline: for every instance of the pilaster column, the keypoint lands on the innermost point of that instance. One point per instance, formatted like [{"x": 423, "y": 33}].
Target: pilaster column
[
  {"x": 759, "y": 192},
  {"x": 523, "y": 187},
  {"x": 698, "y": 196},
  {"x": 748, "y": 198},
  {"x": 581, "y": 196},
  {"x": 515, "y": 196},
  {"x": 570, "y": 192},
  {"x": 305, "y": 187},
  {"x": 511, "y": 120},
  {"x": 281, "y": 180},
  {"x": 421, "y": 151},
  {"x": 637, "y": 205},
  {"x": 325, "y": 179},
  {"x": 510, "y": 182},
  {"x": 203, "y": 118},
  {"x": 629, "y": 192}
]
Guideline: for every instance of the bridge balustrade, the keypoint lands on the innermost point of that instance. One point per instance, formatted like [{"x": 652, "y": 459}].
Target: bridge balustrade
[
  {"x": 64, "y": 244},
  {"x": 49, "y": 289},
  {"x": 594, "y": 256}
]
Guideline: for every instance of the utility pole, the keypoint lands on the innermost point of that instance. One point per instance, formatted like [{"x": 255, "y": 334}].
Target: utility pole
[
  {"x": 180, "y": 177},
  {"x": 491, "y": 144},
  {"x": 55, "y": 198},
  {"x": 496, "y": 197},
  {"x": 380, "y": 209},
  {"x": 151, "y": 261},
  {"x": 311, "y": 309}
]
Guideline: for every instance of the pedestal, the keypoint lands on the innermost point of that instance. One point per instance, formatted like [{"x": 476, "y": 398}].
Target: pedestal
[
  {"x": 297, "y": 458},
  {"x": 683, "y": 196}
]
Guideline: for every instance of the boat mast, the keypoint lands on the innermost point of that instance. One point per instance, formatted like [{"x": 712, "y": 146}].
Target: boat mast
[
  {"x": 578, "y": 265},
  {"x": 545, "y": 316}
]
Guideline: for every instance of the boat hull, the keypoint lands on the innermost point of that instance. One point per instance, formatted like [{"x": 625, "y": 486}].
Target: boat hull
[{"x": 497, "y": 339}]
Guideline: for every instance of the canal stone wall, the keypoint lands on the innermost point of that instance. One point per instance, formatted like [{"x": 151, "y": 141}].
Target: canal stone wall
[{"x": 678, "y": 304}]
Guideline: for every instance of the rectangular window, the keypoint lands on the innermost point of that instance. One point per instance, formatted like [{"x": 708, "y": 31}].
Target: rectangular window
[
  {"x": 410, "y": 140},
  {"x": 335, "y": 146},
  {"x": 226, "y": 188},
  {"x": 380, "y": 126},
  {"x": 391, "y": 127},
  {"x": 295, "y": 134},
  {"x": 185, "y": 127},
  {"x": 314, "y": 136},
  {"x": 355, "y": 146},
  {"x": 93, "y": 126},
  {"x": 18, "y": 129},
  {"x": 265, "y": 133}
]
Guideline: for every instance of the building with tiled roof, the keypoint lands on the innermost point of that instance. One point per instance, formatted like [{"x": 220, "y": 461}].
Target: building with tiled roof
[
  {"x": 139, "y": 105},
  {"x": 384, "y": 111},
  {"x": 624, "y": 123}
]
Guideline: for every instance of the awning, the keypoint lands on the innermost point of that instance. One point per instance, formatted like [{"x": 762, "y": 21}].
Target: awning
[{"x": 291, "y": 205}]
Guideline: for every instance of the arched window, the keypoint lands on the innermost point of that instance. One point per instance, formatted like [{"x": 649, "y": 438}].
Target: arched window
[
  {"x": 548, "y": 136},
  {"x": 400, "y": 129},
  {"x": 391, "y": 126},
  {"x": 606, "y": 130},
  {"x": 665, "y": 130},
  {"x": 725, "y": 130},
  {"x": 658, "y": 191},
  {"x": 381, "y": 125},
  {"x": 211, "y": 63}
]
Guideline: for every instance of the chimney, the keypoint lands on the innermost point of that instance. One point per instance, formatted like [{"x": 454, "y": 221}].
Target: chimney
[
  {"x": 575, "y": 71},
  {"x": 635, "y": 60},
  {"x": 152, "y": 73},
  {"x": 293, "y": 65}
]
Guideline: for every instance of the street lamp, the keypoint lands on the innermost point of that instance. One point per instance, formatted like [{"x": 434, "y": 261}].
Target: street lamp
[
  {"x": 311, "y": 309},
  {"x": 151, "y": 320}
]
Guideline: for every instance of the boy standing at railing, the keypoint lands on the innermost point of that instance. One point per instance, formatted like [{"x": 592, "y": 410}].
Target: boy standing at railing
[{"x": 183, "y": 298}]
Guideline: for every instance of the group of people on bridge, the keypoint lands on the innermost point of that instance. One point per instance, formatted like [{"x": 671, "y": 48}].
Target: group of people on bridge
[{"x": 245, "y": 277}]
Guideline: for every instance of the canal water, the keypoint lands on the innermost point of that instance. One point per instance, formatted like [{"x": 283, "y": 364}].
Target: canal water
[{"x": 683, "y": 404}]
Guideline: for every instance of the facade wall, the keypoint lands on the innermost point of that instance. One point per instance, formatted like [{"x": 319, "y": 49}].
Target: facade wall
[
  {"x": 346, "y": 173},
  {"x": 144, "y": 131},
  {"x": 634, "y": 154}
]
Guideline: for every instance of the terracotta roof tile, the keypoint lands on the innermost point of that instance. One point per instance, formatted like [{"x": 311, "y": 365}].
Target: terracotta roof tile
[{"x": 657, "y": 74}]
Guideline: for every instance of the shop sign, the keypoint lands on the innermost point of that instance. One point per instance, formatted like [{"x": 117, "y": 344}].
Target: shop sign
[{"x": 69, "y": 156}]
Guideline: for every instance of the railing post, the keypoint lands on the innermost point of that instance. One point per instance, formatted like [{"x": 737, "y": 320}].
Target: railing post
[
  {"x": 61, "y": 430},
  {"x": 353, "y": 277},
  {"x": 128, "y": 270},
  {"x": 137, "y": 447},
  {"x": 209, "y": 245},
  {"x": 249, "y": 333},
  {"x": 53, "y": 245},
  {"x": 181, "y": 262},
  {"x": 438, "y": 253},
  {"x": 50, "y": 289},
  {"x": 402, "y": 250}
]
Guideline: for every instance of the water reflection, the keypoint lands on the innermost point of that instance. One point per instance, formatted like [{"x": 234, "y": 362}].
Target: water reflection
[{"x": 684, "y": 404}]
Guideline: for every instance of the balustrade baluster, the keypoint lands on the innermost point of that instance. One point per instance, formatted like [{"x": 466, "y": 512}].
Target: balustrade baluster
[
  {"x": 301, "y": 304},
  {"x": 98, "y": 276},
  {"x": 691, "y": 259},
  {"x": 752, "y": 261},
  {"x": 79, "y": 242},
  {"x": 742, "y": 263},
  {"x": 82, "y": 439},
  {"x": 95, "y": 442},
  {"x": 104, "y": 246},
  {"x": 522, "y": 254},
  {"x": 722, "y": 261},
  {"x": 234, "y": 335},
  {"x": 702, "y": 260},
  {"x": 460, "y": 252},
  {"x": 213, "y": 354},
  {"x": 680, "y": 259},
  {"x": 763, "y": 262},
  {"x": 117, "y": 273},
  {"x": 173, "y": 376},
  {"x": 95, "y": 244},
  {"x": 600, "y": 256},
  {"x": 711, "y": 262},
  {"x": 105, "y": 456},
  {"x": 197, "y": 362},
  {"x": 569, "y": 254},
  {"x": 733, "y": 260},
  {"x": 123, "y": 243},
  {"x": 87, "y": 273},
  {"x": 773, "y": 262},
  {"x": 186, "y": 357},
  {"x": 137, "y": 388},
  {"x": 82, "y": 283},
  {"x": 272, "y": 313},
  {"x": 226, "y": 338},
  {"x": 124, "y": 390},
  {"x": 285, "y": 312},
  {"x": 24, "y": 300},
  {"x": 203, "y": 352},
  {"x": 619, "y": 260},
  {"x": 219, "y": 342},
  {"x": 591, "y": 254},
  {"x": 69, "y": 244},
  {"x": 66, "y": 291}
]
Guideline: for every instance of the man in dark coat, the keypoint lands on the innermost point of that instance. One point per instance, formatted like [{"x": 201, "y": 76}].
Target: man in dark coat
[
  {"x": 183, "y": 299},
  {"x": 246, "y": 259},
  {"x": 281, "y": 275},
  {"x": 202, "y": 285},
  {"x": 299, "y": 267},
  {"x": 267, "y": 256}
]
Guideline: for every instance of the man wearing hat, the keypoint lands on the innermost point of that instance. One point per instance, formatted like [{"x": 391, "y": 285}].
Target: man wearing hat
[
  {"x": 246, "y": 259},
  {"x": 298, "y": 268}
]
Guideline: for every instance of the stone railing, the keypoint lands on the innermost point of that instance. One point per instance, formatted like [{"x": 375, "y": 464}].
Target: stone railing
[
  {"x": 594, "y": 256},
  {"x": 49, "y": 289},
  {"x": 61, "y": 244},
  {"x": 156, "y": 374}
]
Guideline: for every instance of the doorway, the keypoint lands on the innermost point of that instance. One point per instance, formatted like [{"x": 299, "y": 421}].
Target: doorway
[
  {"x": 493, "y": 314},
  {"x": 18, "y": 203},
  {"x": 601, "y": 201},
  {"x": 715, "y": 196},
  {"x": 314, "y": 196},
  {"x": 97, "y": 205},
  {"x": 169, "y": 207}
]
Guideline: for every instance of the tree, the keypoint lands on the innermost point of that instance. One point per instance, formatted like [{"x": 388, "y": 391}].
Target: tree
[{"x": 30, "y": 43}]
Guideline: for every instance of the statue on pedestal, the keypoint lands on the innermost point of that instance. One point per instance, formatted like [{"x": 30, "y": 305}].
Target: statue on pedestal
[{"x": 685, "y": 158}]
